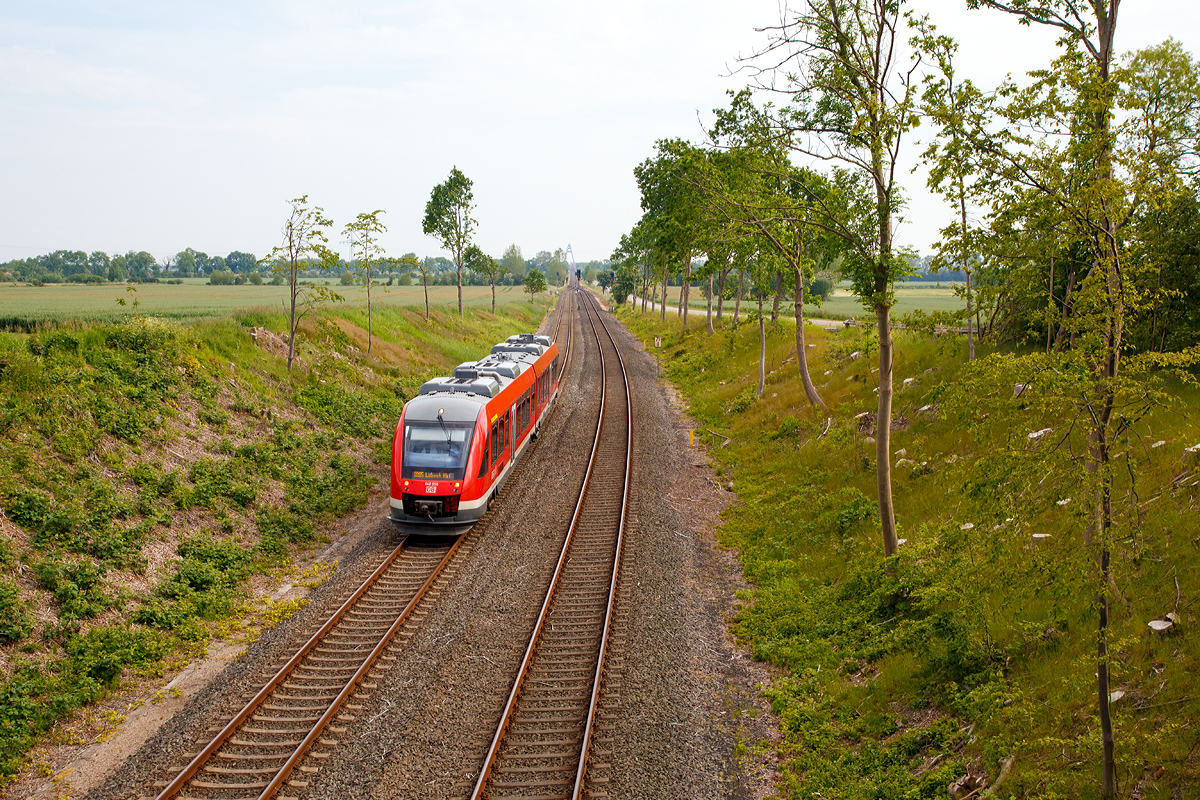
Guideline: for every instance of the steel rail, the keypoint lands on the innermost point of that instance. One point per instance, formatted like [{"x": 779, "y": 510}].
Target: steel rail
[
  {"x": 175, "y": 786},
  {"x": 507, "y": 715},
  {"x": 581, "y": 773},
  {"x": 304, "y": 746},
  {"x": 204, "y": 756}
]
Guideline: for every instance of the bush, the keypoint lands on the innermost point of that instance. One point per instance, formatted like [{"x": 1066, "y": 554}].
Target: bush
[
  {"x": 15, "y": 621},
  {"x": 820, "y": 287},
  {"x": 742, "y": 402},
  {"x": 78, "y": 588}
]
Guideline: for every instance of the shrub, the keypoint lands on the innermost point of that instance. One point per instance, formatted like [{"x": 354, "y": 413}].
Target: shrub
[
  {"x": 820, "y": 287},
  {"x": 78, "y": 588},
  {"x": 742, "y": 402},
  {"x": 15, "y": 621}
]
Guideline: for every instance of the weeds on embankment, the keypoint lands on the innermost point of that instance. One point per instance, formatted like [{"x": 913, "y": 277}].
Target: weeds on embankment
[
  {"x": 154, "y": 475},
  {"x": 976, "y": 646}
]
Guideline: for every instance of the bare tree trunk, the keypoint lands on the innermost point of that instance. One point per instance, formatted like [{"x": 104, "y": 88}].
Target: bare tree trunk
[
  {"x": 709, "y": 314},
  {"x": 762, "y": 347},
  {"x": 425, "y": 283},
  {"x": 962, "y": 207},
  {"x": 460, "y": 310},
  {"x": 1066, "y": 312},
  {"x": 721, "y": 293},
  {"x": 737, "y": 309},
  {"x": 368, "y": 310},
  {"x": 685, "y": 290},
  {"x": 883, "y": 433},
  {"x": 1050, "y": 321},
  {"x": 810, "y": 391},
  {"x": 778, "y": 291},
  {"x": 493, "y": 297},
  {"x": 666, "y": 277},
  {"x": 294, "y": 288},
  {"x": 1154, "y": 315}
]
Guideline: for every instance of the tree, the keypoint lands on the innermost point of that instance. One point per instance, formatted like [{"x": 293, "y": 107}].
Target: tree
[
  {"x": 1080, "y": 171},
  {"x": 425, "y": 268},
  {"x": 673, "y": 211},
  {"x": 765, "y": 200},
  {"x": 304, "y": 238},
  {"x": 956, "y": 106},
  {"x": 513, "y": 262},
  {"x": 140, "y": 265},
  {"x": 367, "y": 253},
  {"x": 241, "y": 263},
  {"x": 99, "y": 263},
  {"x": 483, "y": 264},
  {"x": 535, "y": 282},
  {"x": 852, "y": 101},
  {"x": 623, "y": 284},
  {"x": 448, "y": 219}
]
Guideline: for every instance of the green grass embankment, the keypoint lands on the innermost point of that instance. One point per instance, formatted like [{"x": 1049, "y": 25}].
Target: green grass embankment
[
  {"x": 842, "y": 304},
  {"x": 152, "y": 473},
  {"x": 978, "y": 642}
]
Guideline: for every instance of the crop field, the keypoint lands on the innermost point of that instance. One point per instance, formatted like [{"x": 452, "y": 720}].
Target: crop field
[
  {"x": 25, "y": 306},
  {"x": 843, "y": 304}
]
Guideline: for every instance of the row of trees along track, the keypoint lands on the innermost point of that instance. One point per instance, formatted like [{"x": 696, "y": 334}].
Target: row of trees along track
[
  {"x": 541, "y": 745},
  {"x": 292, "y": 718}
]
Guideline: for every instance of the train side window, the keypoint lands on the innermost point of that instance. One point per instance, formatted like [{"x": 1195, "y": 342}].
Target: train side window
[{"x": 484, "y": 463}]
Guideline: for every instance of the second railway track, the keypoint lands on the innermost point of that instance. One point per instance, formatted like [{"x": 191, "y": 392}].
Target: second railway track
[{"x": 542, "y": 743}]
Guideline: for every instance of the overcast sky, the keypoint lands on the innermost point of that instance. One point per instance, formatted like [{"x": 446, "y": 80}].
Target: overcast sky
[{"x": 159, "y": 126}]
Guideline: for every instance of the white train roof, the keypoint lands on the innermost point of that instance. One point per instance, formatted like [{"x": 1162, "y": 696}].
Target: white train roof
[{"x": 478, "y": 381}]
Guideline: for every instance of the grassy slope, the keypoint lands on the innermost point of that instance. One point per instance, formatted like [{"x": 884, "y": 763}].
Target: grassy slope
[
  {"x": 151, "y": 475},
  {"x": 981, "y": 642}
]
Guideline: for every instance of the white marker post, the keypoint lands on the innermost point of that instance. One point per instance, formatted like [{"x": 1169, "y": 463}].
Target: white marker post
[{"x": 657, "y": 347}]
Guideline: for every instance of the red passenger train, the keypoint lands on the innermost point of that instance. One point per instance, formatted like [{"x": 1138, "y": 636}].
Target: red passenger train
[{"x": 458, "y": 440}]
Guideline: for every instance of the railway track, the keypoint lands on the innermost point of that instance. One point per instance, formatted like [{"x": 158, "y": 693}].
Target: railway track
[
  {"x": 290, "y": 725},
  {"x": 286, "y": 723},
  {"x": 541, "y": 745}
]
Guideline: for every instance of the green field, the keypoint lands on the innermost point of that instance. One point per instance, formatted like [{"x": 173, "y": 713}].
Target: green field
[
  {"x": 843, "y": 304},
  {"x": 22, "y": 306}
]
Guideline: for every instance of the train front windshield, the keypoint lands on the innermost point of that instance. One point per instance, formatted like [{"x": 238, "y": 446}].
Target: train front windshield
[{"x": 436, "y": 451}]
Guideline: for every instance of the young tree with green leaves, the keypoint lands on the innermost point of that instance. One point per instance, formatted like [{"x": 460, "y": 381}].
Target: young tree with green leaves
[
  {"x": 448, "y": 219},
  {"x": 535, "y": 283},
  {"x": 304, "y": 239},
  {"x": 852, "y": 100},
  {"x": 513, "y": 262},
  {"x": 1058, "y": 138},
  {"x": 483, "y": 264},
  {"x": 754, "y": 187},
  {"x": 673, "y": 214},
  {"x": 955, "y": 106},
  {"x": 366, "y": 252}
]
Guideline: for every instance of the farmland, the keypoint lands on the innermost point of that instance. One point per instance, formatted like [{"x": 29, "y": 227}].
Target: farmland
[{"x": 26, "y": 306}]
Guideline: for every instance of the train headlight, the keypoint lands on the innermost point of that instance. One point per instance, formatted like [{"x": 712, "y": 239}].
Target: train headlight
[
  {"x": 406, "y": 484},
  {"x": 457, "y": 486}
]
